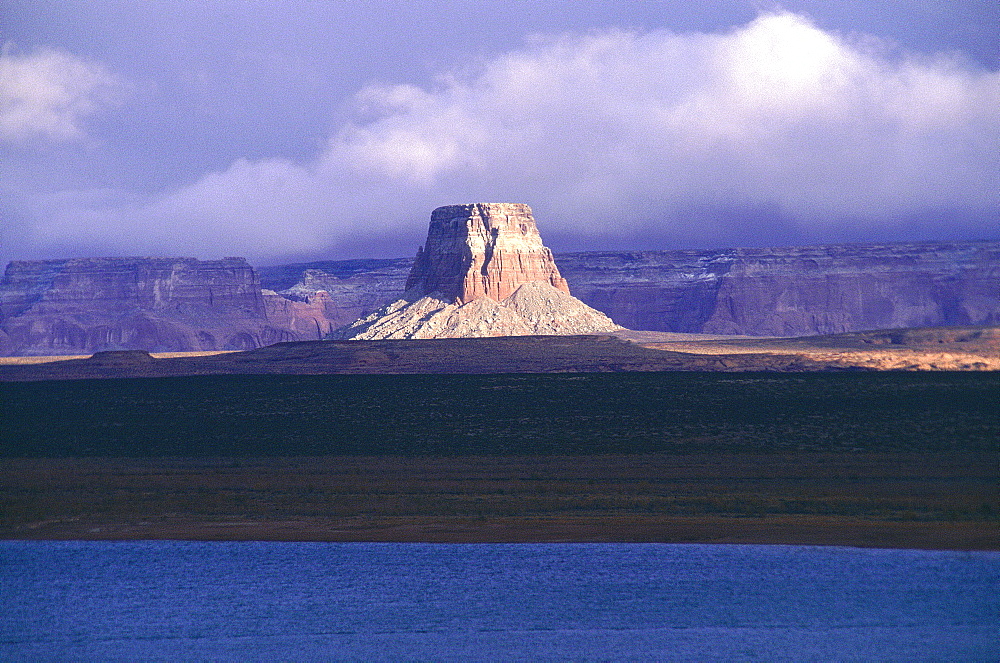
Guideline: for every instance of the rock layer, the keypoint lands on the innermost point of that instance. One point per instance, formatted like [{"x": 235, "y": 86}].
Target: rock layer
[
  {"x": 483, "y": 272},
  {"x": 482, "y": 250},
  {"x": 151, "y": 284},
  {"x": 158, "y": 304},
  {"x": 155, "y": 304},
  {"x": 794, "y": 291}
]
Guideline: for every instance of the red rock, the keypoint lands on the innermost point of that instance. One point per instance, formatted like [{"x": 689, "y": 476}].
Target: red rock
[
  {"x": 484, "y": 272},
  {"x": 482, "y": 250}
]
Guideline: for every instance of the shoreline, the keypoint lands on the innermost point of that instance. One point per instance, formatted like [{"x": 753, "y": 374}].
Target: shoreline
[
  {"x": 961, "y": 536},
  {"x": 934, "y": 501}
]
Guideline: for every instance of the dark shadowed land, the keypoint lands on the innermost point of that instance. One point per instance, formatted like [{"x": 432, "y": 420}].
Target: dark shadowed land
[
  {"x": 944, "y": 348},
  {"x": 887, "y": 459},
  {"x": 938, "y": 501}
]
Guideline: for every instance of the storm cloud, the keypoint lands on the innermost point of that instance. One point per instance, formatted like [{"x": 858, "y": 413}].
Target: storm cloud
[{"x": 774, "y": 131}]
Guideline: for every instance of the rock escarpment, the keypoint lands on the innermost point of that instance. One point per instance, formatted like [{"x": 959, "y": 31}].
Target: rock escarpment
[
  {"x": 144, "y": 283},
  {"x": 794, "y": 291},
  {"x": 483, "y": 272},
  {"x": 171, "y": 304},
  {"x": 156, "y": 304}
]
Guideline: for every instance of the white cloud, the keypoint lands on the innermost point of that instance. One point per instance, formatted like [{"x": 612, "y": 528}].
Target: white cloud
[
  {"x": 615, "y": 131},
  {"x": 777, "y": 112},
  {"x": 48, "y": 93}
]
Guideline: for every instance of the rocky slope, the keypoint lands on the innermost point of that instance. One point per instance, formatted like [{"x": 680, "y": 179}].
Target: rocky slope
[
  {"x": 483, "y": 272},
  {"x": 534, "y": 308}
]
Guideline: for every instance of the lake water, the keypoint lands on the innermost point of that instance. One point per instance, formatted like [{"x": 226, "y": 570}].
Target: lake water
[{"x": 152, "y": 600}]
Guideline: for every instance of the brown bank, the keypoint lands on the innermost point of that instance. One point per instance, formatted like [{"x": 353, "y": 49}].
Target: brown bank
[{"x": 938, "y": 501}]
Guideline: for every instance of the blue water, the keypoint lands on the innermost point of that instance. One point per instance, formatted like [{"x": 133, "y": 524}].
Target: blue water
[{"x": 157, "y": 600}]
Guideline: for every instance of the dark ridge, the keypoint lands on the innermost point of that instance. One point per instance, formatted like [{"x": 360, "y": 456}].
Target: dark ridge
[{"x": 121, "y": 357}]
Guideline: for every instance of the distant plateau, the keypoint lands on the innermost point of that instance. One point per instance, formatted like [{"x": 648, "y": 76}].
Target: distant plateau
[{"x": 86, "y": 305}]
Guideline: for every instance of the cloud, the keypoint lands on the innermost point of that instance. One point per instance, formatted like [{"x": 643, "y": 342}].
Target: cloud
[
  {"x": 777, "y": 112},
  {"x": 776, "y": 126},
  {"x": 48, "y": 93}
]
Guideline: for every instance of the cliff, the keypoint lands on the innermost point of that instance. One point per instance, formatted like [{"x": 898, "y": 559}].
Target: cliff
[
  {"x": 793, "y": 291},
  {"x": 91, "y": 284},
  {"x": 483, "y": 272},
  {"x": 157, "y": 304},
  {"x": 482, "y": 250},
  {"x": 160, "y": 304}
]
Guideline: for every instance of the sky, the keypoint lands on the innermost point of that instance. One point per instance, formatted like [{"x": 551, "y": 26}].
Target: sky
[{"x": 309, "y": 130}]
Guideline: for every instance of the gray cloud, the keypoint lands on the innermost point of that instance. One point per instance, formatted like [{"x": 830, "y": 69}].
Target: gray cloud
[{"x": 775, "y": 131}]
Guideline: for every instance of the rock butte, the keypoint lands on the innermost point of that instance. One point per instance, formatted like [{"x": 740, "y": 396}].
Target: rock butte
[
  {"x": 483, "y": 272},
  {"x": 482, "y": 250}
]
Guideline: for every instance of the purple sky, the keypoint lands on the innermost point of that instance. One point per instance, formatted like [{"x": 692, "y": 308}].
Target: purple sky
[{"x": 297, "y": 130}]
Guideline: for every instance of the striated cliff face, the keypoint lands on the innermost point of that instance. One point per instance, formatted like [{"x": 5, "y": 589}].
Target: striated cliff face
[
  {"x": 164, "y": 304},
  {"x": 793, "y": 291},
  {"x": 484, "y": 272},
  {"x": 351, "y": 289},
  {"x": 159, "y": 304},
  {"x": 305, "y": 319},
  {"x": 482, "y": 250},
  {"x": 113, "y": 283},
  {"x": 833, "y": 290}
]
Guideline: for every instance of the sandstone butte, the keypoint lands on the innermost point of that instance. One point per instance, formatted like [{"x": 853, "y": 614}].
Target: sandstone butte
[{"x": 482, "y": 272}]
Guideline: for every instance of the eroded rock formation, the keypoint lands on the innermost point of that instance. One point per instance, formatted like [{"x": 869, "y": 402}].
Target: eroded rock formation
[
  {"x": 482, "y": 250},
  {"x": 483, "y": 272},
  {"x": 156, "y": 304},
  {"x": 780, "y": 291},
  {"x": 793, "y": 291},
  {"x": 348, "y": 289},
  {"x": 166, "y": 304}
]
